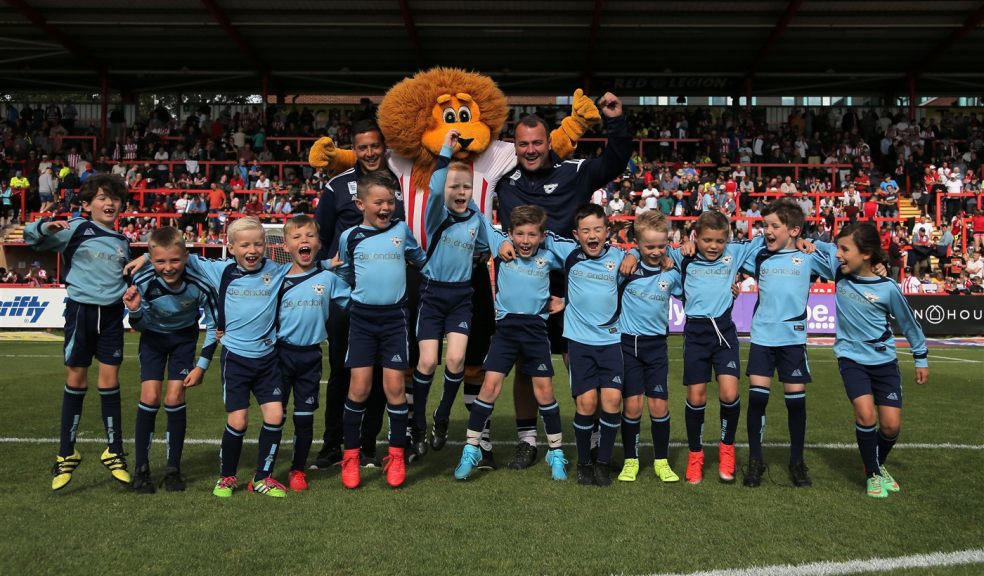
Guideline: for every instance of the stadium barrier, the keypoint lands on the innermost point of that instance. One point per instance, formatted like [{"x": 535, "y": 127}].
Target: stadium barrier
[{"x": 938, "y": 315}]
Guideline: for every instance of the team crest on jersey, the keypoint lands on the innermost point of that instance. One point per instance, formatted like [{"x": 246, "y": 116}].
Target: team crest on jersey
[
  {"x": 398, "y": 195},
  {"x": 609, "y": 265},
  {"x": 797, "y": 261},
  {"x": 540, "y": 262},
  {"x": 396, "y": 240},
  {"x": 663, "y": 285},
  {"x": 267, "y": 278},
  {"x": 549, "y": 188},
  {"x": 726, "y": 259},
  {"x": 515, "y": 176},
  {"x": 319, "y": 289},
  {"x": 871, "y": 296},
  {"x": 472, "y": 232},
  {"x": 353, "y": 188},
  {"x": 119, "y": 252}
]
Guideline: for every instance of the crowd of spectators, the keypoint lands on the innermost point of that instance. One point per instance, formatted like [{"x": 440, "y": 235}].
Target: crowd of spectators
[{"x": 863, "y": 165}]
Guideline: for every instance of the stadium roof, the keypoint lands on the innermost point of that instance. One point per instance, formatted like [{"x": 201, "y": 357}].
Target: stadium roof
[{"x": 529, "y": 47}]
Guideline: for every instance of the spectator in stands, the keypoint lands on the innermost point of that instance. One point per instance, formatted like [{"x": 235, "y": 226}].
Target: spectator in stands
[
  {"x": 954, "y": 187},
  {"x": 6, "y": 204},
  {"x": 975, "y": 265},
  {"x": 887, "y": 199}
]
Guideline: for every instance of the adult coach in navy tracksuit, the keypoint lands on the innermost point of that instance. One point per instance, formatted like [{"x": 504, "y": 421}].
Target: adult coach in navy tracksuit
[
  {"x": 558, "y": 188},
  {"x": 336, "y": 213}
]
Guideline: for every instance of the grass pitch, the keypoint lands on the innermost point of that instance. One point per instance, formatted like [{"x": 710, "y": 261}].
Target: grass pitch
[{"x": 502, "y": 522}]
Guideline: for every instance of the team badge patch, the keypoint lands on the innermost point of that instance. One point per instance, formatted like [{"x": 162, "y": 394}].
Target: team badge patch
[
  {"x": 871, "y": 296},
  {"x": 726, "y": 259},
  {"x": 797, "y": 261},
  {"x": 267, "y": 278},
  {"x": 549, "y": 188},
  {"x": 319, "y": 289},
  {"x": 540, "y": 262},
  {"x": 515, "y": 176},
  {"x": 472, "y": 232},
  {"x": 353, "y": 187},
  {"x": 609, "y": 265},
  {"x": 663, "y": 285},
  {"x": 396, "y": 240}
]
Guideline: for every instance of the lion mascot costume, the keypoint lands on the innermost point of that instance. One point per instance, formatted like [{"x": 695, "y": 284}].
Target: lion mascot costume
[{"x": 414, "y": 118}]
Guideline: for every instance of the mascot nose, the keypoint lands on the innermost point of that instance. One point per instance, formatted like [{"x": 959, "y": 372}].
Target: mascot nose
[{"x": 464, "y": 142}]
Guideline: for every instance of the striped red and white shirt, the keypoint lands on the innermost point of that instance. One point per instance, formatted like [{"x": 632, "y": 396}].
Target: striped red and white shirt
[{"x": 487, "y": 169}]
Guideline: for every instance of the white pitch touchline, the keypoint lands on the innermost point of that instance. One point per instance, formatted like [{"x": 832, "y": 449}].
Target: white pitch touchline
[
  {"x": 932, "y": 356},
  {"x": 817, "y": 446},
  {"x": 826, "y": 568}
]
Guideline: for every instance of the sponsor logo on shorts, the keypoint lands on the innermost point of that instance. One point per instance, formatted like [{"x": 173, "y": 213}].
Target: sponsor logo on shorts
[
  {"x": 396, "y": 358},
  {"x": 617, "y": 379},
  {"x": 118, "y": 354},
  {"x": 732, "y": 365},
  {"x": 310, "y": 400},
  {"x": 893, "y": 396},
  {"x": 276, "y": 391},
  {"x": 184, "y": 372},
  {"x": 463, "y": 325},
  {"x": 542, "y": 367},
  {"x": 797, "y": 372}
]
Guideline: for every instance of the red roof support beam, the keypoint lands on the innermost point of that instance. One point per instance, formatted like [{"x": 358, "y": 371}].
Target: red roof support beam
[
  {"x": 56, "y": 34},
  {"x": 975, "y": 19},
  {"x": 412, "y": 32},
  {"x": 791, "y": 9},
  {"x": 223, "y": 21}
]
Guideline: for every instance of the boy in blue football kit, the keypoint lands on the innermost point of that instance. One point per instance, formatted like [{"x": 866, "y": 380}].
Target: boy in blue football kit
[
  {"x": 865, "y": 349},
  {"x": 456, "y": 228},
  {"x": 246, "y": 313},
  {"x": 93, "y": 255},
  {"x": 710, "y": 338},
  {"x": 778, "y": 334},
  {"x": 522, "y": 304},
  {"x": 643, "y": 322},
  {"x": 592, "y": 333},
  {"x": 374, "y": 256},
  {"x": 164, "y": 306},
  {"x": 304, "y": 302}
]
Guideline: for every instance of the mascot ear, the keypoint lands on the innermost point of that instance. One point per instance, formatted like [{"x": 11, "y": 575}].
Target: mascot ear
[{"x": 584, "y": 115}]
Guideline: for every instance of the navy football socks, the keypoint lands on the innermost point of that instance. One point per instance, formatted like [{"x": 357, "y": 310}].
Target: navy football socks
[
  {"x": 143, "y": 434},
  {"x": 71, "y": 414}
]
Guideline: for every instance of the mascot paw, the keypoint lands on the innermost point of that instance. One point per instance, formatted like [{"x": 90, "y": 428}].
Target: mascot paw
[
  {"x": 583, "y": 108},
  {"x": 322, "y": 153}
]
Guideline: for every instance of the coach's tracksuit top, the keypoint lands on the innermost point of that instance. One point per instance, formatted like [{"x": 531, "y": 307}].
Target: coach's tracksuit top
[
  {"x": 560, "y": 188},
  {"x": 92, "y": 258},
  {"x": 166, "y": 310},
  {"x": 453, "y": 239}
]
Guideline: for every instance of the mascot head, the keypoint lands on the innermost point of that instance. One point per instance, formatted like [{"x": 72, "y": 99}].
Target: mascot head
[{"x": 416, "y": 114}]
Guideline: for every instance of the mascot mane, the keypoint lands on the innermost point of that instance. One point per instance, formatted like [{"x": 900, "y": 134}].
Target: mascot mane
[{"x": 405, "y": 113}]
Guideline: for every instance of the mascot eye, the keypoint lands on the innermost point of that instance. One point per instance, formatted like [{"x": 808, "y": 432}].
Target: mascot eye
[
  {"x": 449, "y": 116},
  {"x": 464, "y": 114}
]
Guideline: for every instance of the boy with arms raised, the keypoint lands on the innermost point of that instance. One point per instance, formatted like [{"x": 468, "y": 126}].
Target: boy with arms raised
[
  {"x": 304, "y": 301},
  {"x": 164, "y": 304},
  {"x": 643, "y": 322},
  {"x": 456, "y": 229},
  {"x": 93, "y": 257},
  {"x": 522, "y": 304},
  {"x": 374, "y": 256}
]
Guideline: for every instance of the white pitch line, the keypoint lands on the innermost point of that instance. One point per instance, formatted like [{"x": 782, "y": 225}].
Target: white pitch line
[
  {"x": 934, "y": 356},
  {"x": 817, "y": 446},
  {"x": 931, "y": 560}
]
